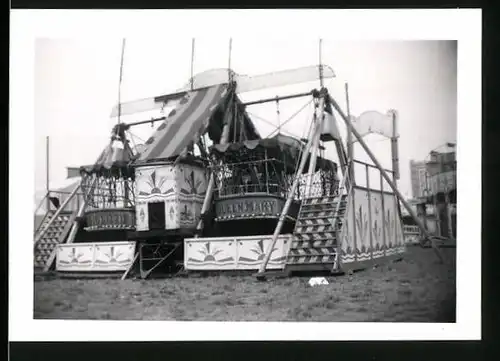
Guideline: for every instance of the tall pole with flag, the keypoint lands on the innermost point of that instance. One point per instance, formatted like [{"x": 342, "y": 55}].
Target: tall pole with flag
[
  {"x": 192, "y": 64},
  {"x": 47, "y": 146},
  {"x": 350, "y": 144},
  {"x": 120, "y": 81}
]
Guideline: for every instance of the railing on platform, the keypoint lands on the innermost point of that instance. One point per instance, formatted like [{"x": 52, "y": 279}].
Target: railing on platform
[
  {"x": 370, "y": 172},
  {"x": 269, "y": 177},
  {"x": 108, "y": 192}
]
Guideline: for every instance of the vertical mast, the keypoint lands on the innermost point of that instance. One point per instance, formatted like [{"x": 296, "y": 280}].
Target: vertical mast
[
  {"x": 229, "y": 73},
  {"x": 350, "y": 144},
  {"x": 120, "y": 82},
  {"x": 320, "y": 65},
  {"x": 394, "y": 146},
  {"x": 47, "y": 172},
  {"x": 192, "y": 64}
]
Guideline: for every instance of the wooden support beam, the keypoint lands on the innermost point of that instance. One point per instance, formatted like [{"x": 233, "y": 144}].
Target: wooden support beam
[
  {"x": 318, "y": 119},
  {"x": 127, "y": 271},
  {"x": 76, "y": 224}
]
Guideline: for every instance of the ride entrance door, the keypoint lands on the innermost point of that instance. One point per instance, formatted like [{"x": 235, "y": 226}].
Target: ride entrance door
[{"x": 156, "y": 212}]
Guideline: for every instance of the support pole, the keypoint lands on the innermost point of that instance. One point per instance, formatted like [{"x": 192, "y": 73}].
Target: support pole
[
  {"x": 318, "y": 119},
  {"x": 437, "y": 214},
  {"x": 448, "y": 213},
  {"x": 211, "y": 182},
  {"x": 81, "y": 211},
  {"x": 383, "y": 213},
  {"x": 312, "y": 163},
  {"x": 386, "y": 177},
  {"x": 350, "y": 144},
  {"x": 76, "y": 223},
  {"x": 394, "y": 147},
  {"x": 288, "y": 203},
  {"x": 127, "y": 271},
  {"x": 120, "y": 83}
]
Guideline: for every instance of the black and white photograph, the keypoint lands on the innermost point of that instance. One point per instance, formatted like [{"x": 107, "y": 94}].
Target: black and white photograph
[{"x": 249, "y": 177}]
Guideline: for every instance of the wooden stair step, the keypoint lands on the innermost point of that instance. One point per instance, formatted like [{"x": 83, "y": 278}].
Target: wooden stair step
[
  {"x": 324, "y": 205},
  {"x": 309, "y": 267},
  {"x": 298, "y": 232},
  {"x": 291, "y": 256},
  {"x": 296, "y": 262},
  {"x": 304, "y": 211},
  {"x": 313, "y": 244},
  {"x": 325, "y": 198},
  {"x": 315, "y": 217},
  {"x": 317, "y": 239}
]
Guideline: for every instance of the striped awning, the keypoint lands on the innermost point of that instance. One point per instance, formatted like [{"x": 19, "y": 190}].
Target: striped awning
[{"x": 185, "y": 124}]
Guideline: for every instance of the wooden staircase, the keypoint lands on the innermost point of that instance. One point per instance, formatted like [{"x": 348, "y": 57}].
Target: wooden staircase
[
  {"x": 56, "y": 234},
  {"x": 314, "y": 246}
]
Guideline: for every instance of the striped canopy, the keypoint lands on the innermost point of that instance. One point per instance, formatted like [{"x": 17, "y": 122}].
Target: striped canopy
[{"x": 196, "y": 114}]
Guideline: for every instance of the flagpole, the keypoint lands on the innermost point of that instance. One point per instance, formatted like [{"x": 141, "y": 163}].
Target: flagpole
[
  {"x": 229, "y": 74},
  {"x": 120, "y": 82},
  {"x": 192, "y": 64},
  {"x": 350, "y": 143},
  {"x": 47, "y": 172}
]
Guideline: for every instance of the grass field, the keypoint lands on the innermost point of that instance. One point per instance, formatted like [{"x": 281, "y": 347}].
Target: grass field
[{"x": 416, "y": 289}]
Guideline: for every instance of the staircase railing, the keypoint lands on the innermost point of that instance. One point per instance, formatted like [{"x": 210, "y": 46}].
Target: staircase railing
[
  {"x": 44, "y": 199},
  {"x": 55, "y": 215},
  {"x": 344, "y": 184}
]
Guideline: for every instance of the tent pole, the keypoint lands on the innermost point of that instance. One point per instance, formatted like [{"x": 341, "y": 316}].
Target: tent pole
[
  {"x": 211, "y": 182},
  {"x": 387, "y": 178}
]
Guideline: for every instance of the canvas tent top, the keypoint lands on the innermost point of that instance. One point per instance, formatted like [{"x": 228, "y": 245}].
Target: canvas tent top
[
  {"x": 197, "y": 112},
  {"x": 280, "y": 147}
]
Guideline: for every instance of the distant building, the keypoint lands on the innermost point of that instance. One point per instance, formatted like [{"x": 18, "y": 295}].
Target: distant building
[
  {"x": 442, "y": 173},
  {"x": 418, "y": 179},
  {"x": 434, "y": 185}
]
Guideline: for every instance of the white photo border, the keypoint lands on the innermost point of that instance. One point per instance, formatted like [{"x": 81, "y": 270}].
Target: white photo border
[{"x": 461, "y": 25}]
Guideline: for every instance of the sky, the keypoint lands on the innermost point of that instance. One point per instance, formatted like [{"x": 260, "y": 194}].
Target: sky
[{"x": 76, "y": 86}]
